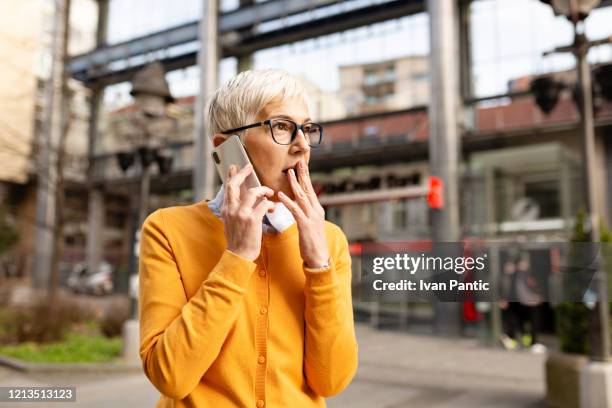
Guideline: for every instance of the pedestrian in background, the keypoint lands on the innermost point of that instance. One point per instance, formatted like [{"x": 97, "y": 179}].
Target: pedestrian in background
[{"x": 520, "y": 303}]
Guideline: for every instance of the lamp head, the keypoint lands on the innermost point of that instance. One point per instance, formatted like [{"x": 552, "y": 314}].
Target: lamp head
[{"x": 546, "y": 91}]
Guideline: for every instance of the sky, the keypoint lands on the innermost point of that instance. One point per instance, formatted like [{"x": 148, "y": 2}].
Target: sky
[{"x": 508, "y": 38}]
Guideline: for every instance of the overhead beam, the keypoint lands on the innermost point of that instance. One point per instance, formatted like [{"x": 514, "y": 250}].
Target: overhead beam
[
  {"x": 236, "y": 20},
  {"x": 385, "y": 194},
  {"x": 94, "y": 67},
  {"x": 339, "y": 22}
]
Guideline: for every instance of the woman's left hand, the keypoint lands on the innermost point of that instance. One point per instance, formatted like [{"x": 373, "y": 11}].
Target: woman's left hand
[{"x": 309, "y": 215}]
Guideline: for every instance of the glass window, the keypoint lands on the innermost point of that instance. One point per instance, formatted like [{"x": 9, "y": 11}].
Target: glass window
[
  {"x": 134, "y": 18},
  {"x": 508, "y": 38},
  {"x": 546, "y": 195},
  {"x": 399, "y": 215}
]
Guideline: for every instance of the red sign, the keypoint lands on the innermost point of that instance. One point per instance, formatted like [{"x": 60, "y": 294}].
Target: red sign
[{"x": 435, "y": 196}]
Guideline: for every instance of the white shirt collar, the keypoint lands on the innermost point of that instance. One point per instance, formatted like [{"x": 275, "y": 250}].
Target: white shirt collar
[{"x": 275, "y": 222}]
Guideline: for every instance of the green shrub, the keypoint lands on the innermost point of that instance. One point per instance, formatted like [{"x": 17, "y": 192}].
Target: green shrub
[
  {"x": 37, "y": 322},
  {"x": 573, "y": 317},
  {"x": 573, "y": 327},
  {"x": 111, "y": 323},
  {"x": 7, "y": 325},
  {"x": 75, "y": 348}
]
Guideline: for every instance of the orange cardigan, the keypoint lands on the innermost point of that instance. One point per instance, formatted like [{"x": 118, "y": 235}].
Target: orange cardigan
[{"x": 218, "y": 330}]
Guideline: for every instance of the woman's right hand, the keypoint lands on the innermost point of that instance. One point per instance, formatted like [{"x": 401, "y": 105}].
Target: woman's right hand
[{"x": 243, "y": 211}]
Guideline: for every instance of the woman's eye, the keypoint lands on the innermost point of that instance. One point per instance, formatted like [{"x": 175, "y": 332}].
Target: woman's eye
[{"x": 281, "y": 126}]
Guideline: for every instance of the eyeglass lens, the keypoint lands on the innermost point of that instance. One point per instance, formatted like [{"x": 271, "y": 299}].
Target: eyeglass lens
[{"x": 283, "y": 130}]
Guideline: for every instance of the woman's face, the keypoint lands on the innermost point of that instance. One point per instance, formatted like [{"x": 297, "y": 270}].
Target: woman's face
[{"x": 270, "y": 159}]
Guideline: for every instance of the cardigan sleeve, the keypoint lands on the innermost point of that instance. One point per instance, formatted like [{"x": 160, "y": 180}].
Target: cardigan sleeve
[
  {"x": 331, "y": 350},
  {"x": 180, "y": 338}
]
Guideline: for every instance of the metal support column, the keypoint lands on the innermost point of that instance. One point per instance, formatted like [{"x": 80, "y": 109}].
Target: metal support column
[{"x": 444, "y": 143}]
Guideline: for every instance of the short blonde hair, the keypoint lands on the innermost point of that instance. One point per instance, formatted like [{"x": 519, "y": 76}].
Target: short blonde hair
[{"x": 240, "y": 99}]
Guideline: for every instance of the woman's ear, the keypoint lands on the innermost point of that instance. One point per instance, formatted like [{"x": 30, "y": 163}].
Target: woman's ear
[{"x": 218, "y": 138}]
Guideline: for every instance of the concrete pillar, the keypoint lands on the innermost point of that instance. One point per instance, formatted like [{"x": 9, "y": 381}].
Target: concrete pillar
[
  {"x": 596, "y": 385},
  {"x": 208, "y": 61},
  {"x": 126, "y": 266},
  {"x": 444, "y": 143},
  {"x": 95, "y": 228},
  {"x": 96, "y": 207},
  {"x": 131, "y": 327},
  {"x": 54, "y": 114}
]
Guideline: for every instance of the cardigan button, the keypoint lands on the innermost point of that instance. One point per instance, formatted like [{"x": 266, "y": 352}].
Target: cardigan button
[
  {"x": 261, "y": 360},
  {"x": 263, "y": 310},
  {"x": 260, "y": 403},
  {"x": 262, "y": 273}
]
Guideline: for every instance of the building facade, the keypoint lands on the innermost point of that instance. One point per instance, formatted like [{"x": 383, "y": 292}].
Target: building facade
[
  {"x": 25, "y": 44},
  {"x": 385, "y": 86}
]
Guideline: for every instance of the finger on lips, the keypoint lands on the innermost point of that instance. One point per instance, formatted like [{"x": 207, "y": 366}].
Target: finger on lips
[
  {"x": 293, "y": 179},
  {"x": 310, "y": 191},
  {"x": 302, "y": 188},
  {"x": 294, "y": 183},
  {"x": 302, "y": 169},
  {"x": 304, "y": 179}
]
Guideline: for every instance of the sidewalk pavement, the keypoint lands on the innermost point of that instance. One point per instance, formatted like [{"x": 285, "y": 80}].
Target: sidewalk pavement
[
  {"x": 399, "y": 370},
  {"x": 396, "y": 370}
]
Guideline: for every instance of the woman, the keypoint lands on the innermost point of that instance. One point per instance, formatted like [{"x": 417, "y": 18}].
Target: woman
[{"x": 238, "y": 309}]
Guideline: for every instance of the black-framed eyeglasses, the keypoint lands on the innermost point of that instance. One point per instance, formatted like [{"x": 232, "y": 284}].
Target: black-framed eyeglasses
[{"x": 284, "y": 131}]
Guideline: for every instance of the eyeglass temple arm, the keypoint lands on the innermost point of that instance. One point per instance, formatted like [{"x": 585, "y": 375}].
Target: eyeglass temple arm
[{"x": 245, "y": 127}]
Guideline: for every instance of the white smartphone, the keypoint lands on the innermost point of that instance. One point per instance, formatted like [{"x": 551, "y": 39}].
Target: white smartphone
[{"x": 231, "y": 151}]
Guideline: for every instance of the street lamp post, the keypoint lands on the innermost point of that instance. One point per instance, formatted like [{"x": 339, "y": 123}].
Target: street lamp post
[
  {"x": 546, "y": 91},
  {"x": 599, "y": 342}
]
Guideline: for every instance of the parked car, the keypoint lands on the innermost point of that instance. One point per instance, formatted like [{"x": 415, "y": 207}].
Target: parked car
[{"x": 98, "y": 283}]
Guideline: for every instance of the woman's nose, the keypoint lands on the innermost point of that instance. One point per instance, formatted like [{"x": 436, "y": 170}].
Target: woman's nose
[{"x": 300, "y": 141}]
